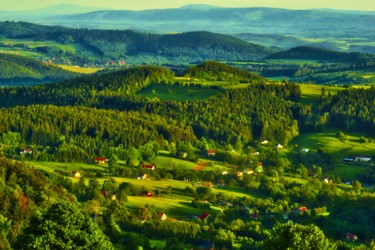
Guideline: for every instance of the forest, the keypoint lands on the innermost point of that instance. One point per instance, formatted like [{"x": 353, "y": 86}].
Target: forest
[{"x": 271, "y": 190}]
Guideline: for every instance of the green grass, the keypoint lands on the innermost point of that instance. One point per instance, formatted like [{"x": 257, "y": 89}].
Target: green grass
[
  {"x": 177, "y": 92},
  {"x": 78, "y": 69},
  {"x": 51, "y": 166},
  {"x": 160, "y": 244},
  {"x": 312, "y": 92},
  {"x": 167, "y": 162},
  {"x": 339, "y": 148}
]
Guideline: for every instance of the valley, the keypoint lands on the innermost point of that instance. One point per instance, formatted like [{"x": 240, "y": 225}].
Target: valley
[{"x": 164, "y": 137}]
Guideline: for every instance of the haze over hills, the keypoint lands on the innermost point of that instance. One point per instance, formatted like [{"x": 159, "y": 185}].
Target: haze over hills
[
  {"x": 96, "y": 45},
  {"x": 35, "y": 14},
  {"x": 307, "y": 23},
  {"x": 284, "y": 28}
]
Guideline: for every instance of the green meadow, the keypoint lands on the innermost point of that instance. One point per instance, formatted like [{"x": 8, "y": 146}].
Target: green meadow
[{"x": 348, "y": 146}]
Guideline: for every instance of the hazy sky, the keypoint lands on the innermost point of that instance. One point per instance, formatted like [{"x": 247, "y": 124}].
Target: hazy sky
[{"x": 157, "y": 4}]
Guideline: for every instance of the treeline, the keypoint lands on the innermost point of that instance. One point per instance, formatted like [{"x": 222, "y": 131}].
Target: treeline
[
  {"x": 314, "y": 53},
  {"x": 353, "y": 109},
  {"x": 215, "y": 71},
  {"x": 80, "y": 134}
]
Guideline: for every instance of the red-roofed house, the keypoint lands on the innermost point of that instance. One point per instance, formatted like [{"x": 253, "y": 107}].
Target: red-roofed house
[
  {"x": 204, "y": 216},
  {"x": 100, "y": 160},
  {"x": 211, "y": 152},
  {"x": 26, "y": 151},
  {"x": 148, "y": 166}
]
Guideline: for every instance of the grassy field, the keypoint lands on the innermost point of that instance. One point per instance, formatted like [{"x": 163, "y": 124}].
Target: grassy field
[
  {"x": 312, "y": 92},
  {"x": 177, "y": 92},
  {"x": 51, "y": 166},
  {"x": 340, "y": 148},
  {"x": 78, "y": 69},
  {"x": 172, "y": 163}
]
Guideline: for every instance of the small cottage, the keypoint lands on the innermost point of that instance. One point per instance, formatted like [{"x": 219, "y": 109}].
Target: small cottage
[{"x": 76, "y": 174}]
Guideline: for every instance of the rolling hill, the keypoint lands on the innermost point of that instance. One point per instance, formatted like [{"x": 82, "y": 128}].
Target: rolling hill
[
  {"x": 314, "y": 53},
  {"x": 134, "y": 46},
  {"x": 18, "y": 70}
]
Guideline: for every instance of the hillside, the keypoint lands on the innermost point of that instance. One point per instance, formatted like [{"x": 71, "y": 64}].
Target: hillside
[
  {"x": 174, "y": 172},
  {"x": 315, "y": 53},
  {"x": 15, "y": 70},
  {"x": 135, "y": 47}
]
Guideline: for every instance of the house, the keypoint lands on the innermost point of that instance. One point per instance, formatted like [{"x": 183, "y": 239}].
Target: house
[
  {"x": 143, "y": 177},
  {"x": 184, "y": 155},
  {"x": 148, "y": 194},
  {"x": 301, "y": 210},
  {"x": 224, "y": 172},
  {"x": 362, "y": 158},
  {"x": 100, "y": 160},
  {"x": 248, "y": 171},
  {"x": 328, "y": 180},
  {"x": 221, "y": 183},
  {"x": 207, "y": 184},
  {"x": 351, "y": 237},
  {"x": 239, "y": 173},
  {"x": 161, "y": 215},
  {"x": 211, "y": 152},
  {"x": 259, "y": 167},
  {"x": 204, "y": 216},
  {"x": 148, "y": 166},
  {"x": 25, "y": 151},
  {"x": 265, "y": 142},
  {"x": 254, "y": 216},
  {"x": 285, "y": 215},
  {"x": 279, "y": 146},
  {"x": 76, "y": 174}
]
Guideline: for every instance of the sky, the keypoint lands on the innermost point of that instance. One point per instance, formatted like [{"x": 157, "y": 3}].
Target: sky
[{"x": 368, "y": 5}]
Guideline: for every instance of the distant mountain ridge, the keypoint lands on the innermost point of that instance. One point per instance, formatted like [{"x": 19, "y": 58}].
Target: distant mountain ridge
[
  {"x": 184, "y": 47},
  {"x": 314, "y": 53},
  {"x": 225, "y": 20}
]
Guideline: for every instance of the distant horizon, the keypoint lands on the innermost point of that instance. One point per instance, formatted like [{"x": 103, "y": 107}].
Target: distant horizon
[{"x": 350, "y": 5}]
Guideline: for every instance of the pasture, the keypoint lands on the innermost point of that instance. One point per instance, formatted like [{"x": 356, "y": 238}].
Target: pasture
[
  {"x": 348, "y": 146},
  {"x": 78, "y": 69},
  {"x": 311, "y": 93},
  {"x": 178, "y": 92}
]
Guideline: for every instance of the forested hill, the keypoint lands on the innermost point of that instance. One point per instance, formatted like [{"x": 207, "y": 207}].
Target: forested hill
[
  {"x": 115, "y": 44},
  {"x": 215, "y": 71},
  {"x": 251, "y": 113},
  {"x": 21, "y": 70},
  {"x": 314, "y": 53}
]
